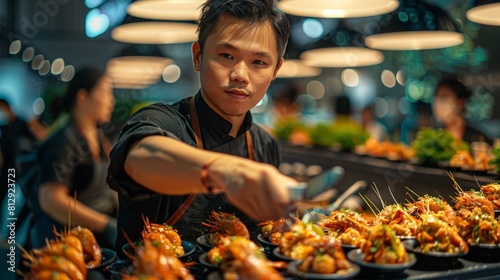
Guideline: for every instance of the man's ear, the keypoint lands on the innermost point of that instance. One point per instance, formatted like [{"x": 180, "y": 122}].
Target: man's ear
[
  {"x": 196, "y": 52},
  {"x": 280, "y": 63}
]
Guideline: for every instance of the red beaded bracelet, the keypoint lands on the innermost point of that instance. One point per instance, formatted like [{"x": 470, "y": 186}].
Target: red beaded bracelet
[{"x": 204, "y": 175}]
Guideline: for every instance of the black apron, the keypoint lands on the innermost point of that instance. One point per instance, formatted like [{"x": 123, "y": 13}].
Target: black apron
[{"x": 189, "y": 224}]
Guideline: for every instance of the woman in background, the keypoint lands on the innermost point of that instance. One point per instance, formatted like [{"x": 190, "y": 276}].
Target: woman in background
[
  {"x": 450, "y": 98},
  {"x": 72, "y": 189}
]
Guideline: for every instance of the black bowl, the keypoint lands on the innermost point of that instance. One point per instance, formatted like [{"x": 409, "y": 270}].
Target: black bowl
[
  {"x": 293, "y": 269},
  {"x": 264, "y": 241},
  {"x": 348, "y": 247},
  {"x": 433, "y": 260},
  {"x": 280, "y": 256},
  {"x": 483, "y": 253},
  {"x": 204, "y": 242},
  {"x": 386, "y": 270},
  {"x": 404, "y": 238},
  {"x": 204, "y": 261},
  {"x": 189, "y": 248},
  {"x": 108, "y": 256}
]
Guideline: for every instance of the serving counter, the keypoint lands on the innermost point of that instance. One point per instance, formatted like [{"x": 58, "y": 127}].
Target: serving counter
[
  {"x": 394, "y": 177},
  {"x": 393, "y": 180}
]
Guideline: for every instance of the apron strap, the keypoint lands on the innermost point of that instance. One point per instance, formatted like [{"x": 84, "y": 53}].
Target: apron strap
[{"x": 199, "y": 142}]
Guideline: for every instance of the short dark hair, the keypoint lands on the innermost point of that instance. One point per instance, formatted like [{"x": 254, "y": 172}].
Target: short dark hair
[
  {"x": 86, "y": 78},
  {"x": 249, "y": 11},
  {"x": 461, "y": 92}
]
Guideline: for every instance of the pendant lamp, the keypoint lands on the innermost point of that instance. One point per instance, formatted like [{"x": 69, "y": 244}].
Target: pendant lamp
[
  {"x": 416, "y": 25},
  {"x": 166, "y": 9},
  {"x": 337, "y": 8},
  {"x": 485, "y": 12},
  {"x": 339, "y": 49},
  {"x": 295, "y": 68},
  {"x": 155, "y": 32},
  {"x": 138, "y": 66}
]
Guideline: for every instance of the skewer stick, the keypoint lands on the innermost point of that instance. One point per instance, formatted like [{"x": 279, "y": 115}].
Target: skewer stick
[
  {"x": 377, "y": 192},
  {"x": 389, "y": 188},
  {"x": 368, "y": 201},
  {"x": 412, "y": 192}
]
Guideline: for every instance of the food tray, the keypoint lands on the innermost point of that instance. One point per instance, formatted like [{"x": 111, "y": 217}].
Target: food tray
[{"x": 463, "y": 269}]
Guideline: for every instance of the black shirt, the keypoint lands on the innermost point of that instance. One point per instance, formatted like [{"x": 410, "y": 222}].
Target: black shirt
[
  {"x": 65, "y": 158},
  {"x": 137, "y": 201}
]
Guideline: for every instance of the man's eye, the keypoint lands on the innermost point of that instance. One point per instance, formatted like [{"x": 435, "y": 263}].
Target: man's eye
[
  {"x": 259, "y": 62},
  {"x": 226, "y": 55}
]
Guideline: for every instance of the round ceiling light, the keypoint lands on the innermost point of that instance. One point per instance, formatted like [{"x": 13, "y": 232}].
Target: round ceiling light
[
  {"x": 166, "y": 10},
  {"x": 337, "y": 8},
  {"x": 485, "y": 14},
  {"x": 137, "y": 70},
  {"x": 155, "y": 33},
  {"x": 342, "y": 57},
  {"x": 416, "y": 25},
  {"x": 294, "y": 68},
  {"x": 414, "y": 40}
]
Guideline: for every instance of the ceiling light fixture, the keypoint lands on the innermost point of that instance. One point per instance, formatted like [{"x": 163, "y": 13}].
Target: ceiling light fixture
[
  {"x": 137, "y": 66},
  {"x": 485, "y": 12},
  {"x": 416, "y": 25},
  {"x": 340, "y": 48},
  {"x": 155, "y": 32},
  {"x": 295, "y": 68},
  {"x": 342, "y": 57},
  {"x": 337, "y": 8},
  {"x": 166, "y": 10}
]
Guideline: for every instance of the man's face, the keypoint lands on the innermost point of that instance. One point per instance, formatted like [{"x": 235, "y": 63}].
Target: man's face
[{"x": 237, "y": 65}]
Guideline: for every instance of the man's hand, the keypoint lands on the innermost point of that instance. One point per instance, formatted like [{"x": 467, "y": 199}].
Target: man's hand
[{"x": 257, "y": 189}]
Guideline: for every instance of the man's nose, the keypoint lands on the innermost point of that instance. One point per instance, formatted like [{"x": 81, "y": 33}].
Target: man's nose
[{"x": 239, "y": 73}]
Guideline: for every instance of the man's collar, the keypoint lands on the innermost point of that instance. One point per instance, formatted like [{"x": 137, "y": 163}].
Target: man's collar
[{"x": 211, "y": 119}]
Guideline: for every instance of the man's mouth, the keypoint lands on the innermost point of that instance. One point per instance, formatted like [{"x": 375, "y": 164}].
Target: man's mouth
[{"x": 237, "y": 93}]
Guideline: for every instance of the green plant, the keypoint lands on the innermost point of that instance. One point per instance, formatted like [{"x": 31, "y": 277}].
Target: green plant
[
  {"x": 434, "y": 145},
  {"x": 496, "y": 158},
  {"x": 286, "y": 126},
  {"x": 348, "y": 135},
  {"x": 322, "y": 135}
]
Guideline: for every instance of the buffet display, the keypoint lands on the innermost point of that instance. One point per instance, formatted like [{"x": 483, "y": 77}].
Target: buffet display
[
  {"x": 70, "y": 256},
  {"x": 426, "y": 236}
]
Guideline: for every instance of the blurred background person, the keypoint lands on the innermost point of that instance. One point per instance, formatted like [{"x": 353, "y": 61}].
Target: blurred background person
[
  {"x": 16, "y": 138},
  {"x": 450, "y": 98},
  {"x": 374, "y": 128},
  {"x": 73, "y": 164}
]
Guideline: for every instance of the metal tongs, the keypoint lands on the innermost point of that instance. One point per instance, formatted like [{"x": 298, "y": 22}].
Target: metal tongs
[
  {"x": 318, "y": 186},
  {"x": 314, "y": 214}
]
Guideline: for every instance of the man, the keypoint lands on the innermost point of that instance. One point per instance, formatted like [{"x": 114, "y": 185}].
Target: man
[{"x": 155, "y": 164}]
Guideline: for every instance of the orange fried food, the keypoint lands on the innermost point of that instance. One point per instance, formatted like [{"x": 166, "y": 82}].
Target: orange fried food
[
  {"x": 67, "y": 257},
  {"x": 165, "y": 236},
  {"x": 436, "y": 235},
  {"x": 492, "y": 192},
  {"x": 382, "y": 246},
  {"x": 150, "y": 263},
  {"x": 273, "y": 229},
  {"x": 225, "y": 224},
  {"x": 430, "y": 204},
  {"x": 479, "y": 227},
  {"x": 240, "y": 258}
]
